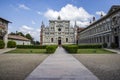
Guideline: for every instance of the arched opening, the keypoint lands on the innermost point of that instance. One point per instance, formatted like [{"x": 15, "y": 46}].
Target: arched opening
[
  {"x": 66, "y": 39},
  {"x": 59, "y": 29},
  {"x": 59, "y": 40},
  {"x": 51, "y": 39}
]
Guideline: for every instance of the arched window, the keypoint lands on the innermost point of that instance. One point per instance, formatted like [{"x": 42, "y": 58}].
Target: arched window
[
  {"x": 59, "y": 29},
  {"x": 51, "y": 39},
  {"x": 66, "y": 39}
]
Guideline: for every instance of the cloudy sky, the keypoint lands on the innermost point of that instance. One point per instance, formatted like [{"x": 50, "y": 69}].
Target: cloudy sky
[{"x": 26, "y": 15}]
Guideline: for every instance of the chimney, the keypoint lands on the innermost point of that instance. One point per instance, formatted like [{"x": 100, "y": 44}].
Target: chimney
[
  {"x": 93, "y": 19},
  {"x": 101, "y": 15}
]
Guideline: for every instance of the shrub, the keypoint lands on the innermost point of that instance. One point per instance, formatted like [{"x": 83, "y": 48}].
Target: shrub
[
  {"x": 51, "y": 48},
  {"x": 2, "y": 44},
  {"x": 31, "y": 47},
  {"x": 11, "y": 44},
  {"x": 90, "y": 46},
  {"x": 105, "y": 45},
  {"x": 113, "y": 45},
  {"x": 71, "y": 48}
]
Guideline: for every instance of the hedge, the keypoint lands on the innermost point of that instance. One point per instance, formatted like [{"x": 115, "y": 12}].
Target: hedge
[
  {"x": 105, "y": 45},
  {"x": 31, "y": 47},
  {"x": 11, "y": 44},
  {"x": 71, "y": 48},
  {"x": 113, "y": 45},
  {"x": 51, "y": 48},
  {"x": 90, "y": 46},
  {"x": 2, "y": 44}
]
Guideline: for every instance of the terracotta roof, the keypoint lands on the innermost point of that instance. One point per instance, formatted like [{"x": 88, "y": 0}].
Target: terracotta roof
[
  {"x": 17, "y": 37},
  {"x": 5, "y": 20},
  {"x": 80, "y": 29}
]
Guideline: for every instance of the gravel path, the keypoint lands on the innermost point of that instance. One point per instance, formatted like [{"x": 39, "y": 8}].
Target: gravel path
[
  {"x": 18, "y": 66},
  {"x": 104, "y": 66}
]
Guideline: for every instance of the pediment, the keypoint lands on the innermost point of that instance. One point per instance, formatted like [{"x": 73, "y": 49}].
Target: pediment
[{"x": 113, "y": 8}]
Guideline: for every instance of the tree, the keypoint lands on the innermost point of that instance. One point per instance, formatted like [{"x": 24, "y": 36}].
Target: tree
[
  {"x": 17, "y": 33},
  {"x": 37, "y": 43},
  {"x": 20, "y": 33},
  {"x": 12, "y": 33},
  {"x": 29, "y": 37}
]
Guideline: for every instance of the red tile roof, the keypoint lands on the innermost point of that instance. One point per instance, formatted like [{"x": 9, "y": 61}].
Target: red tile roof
[
  {"x": 80, "y": 29},
  {"x": 17, "y": 37}
]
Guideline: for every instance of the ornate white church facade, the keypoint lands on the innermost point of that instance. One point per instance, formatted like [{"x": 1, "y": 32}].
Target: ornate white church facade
[{"x": 58, "y": 32}]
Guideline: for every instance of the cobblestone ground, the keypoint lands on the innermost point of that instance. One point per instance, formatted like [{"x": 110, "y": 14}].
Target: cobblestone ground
[
  {"x": 104, "y": 66},
  {"x": 18, "y": 66}
]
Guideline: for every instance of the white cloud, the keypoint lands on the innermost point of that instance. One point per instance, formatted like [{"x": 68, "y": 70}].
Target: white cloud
[
  {"x": 40, "y": 13},
  {"x": 72, "y": 13},
  {"x": 22, "y": 6},
  {"x": 33, "y": 22},
  {"x": 100, "y": 12},
  {"x": 35, "y": 33},
  {"x": 25, "y": 27}
]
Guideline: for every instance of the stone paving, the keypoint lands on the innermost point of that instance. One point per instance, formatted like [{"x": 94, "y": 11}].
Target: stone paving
[
  {"x": 6, "y": 50},
  {"x": 114, "y": 50},
  {"x": 61, "y": 66}
]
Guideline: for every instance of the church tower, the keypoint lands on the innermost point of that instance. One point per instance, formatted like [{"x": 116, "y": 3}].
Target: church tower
[
  {"x": 76, "y": 28},
  {"x": 41, "y": 33}
]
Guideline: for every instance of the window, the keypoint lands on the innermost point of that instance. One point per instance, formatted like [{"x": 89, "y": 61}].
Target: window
[
  {"x": 66, "y": 39},
  {"x": 59, "y": 29},
  {"x": 51, "y": 39}
]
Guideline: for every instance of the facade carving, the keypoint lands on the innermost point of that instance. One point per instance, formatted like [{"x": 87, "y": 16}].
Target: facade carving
[
  {"x": 58, "y": 32},
  {"x": 104, "y": 30}
]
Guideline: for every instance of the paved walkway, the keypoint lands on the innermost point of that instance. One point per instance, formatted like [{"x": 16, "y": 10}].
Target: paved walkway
[
  {"x": 114, "y": 50},
  {"x": 6, "y": 50},
  {"x": 61, "y": 66}
]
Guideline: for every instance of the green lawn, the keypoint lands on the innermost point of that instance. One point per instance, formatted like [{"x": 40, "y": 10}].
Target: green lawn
[
  {"x": 93, "y": 51},
  {"x": 28, "y": 51}
]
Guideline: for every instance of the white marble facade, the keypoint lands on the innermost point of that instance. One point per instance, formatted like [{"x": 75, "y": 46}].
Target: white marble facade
[{"x": 57, "y": 33}]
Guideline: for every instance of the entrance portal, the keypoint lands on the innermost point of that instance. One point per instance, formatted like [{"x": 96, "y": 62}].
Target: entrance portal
[
  {"x": 59, "y": 40},
  {"x": 117, "y": 41}
]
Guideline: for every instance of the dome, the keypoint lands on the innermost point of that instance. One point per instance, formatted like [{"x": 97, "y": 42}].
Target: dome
[{"x": 59, "y": 18}]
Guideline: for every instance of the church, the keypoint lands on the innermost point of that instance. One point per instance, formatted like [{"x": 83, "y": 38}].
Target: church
[{"x": 58, "y": 32}]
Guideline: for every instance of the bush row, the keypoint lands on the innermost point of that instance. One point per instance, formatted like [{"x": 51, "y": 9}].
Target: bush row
[
  {"x": 51, "y": 48},
  {"x": 86, "y": 46},
  {"x": 11, "y": 44},
  {"x": 31, "y": 47},
  {"x": 2, "y": 44},
  {"x": 71, "y": 48}
]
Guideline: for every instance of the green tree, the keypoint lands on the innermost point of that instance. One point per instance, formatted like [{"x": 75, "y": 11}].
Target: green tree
[
  {"x": 12, "y": 33},
  {"x": 29, "y": 37},
  {"x": 20, "y": 33}
]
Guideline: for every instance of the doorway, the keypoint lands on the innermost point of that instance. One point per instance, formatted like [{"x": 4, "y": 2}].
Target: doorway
[
  {"x": 59, "y": 40},
  {"x": 117, "y": 41}
]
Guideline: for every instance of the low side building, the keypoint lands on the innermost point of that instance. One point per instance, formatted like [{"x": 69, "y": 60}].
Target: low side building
[
  {"x": 4, "y": 30},
  {"x": 20, "y": 40},
  {"x": 104, "y": 30}
]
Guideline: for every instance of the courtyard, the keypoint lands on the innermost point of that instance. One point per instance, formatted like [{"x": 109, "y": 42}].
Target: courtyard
[
  {"x": 20, "y": 66},
  {"x": 60, "y": 40}
]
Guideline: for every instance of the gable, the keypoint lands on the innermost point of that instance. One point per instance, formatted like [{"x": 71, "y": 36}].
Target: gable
[{"x": 114, "y": 8}]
